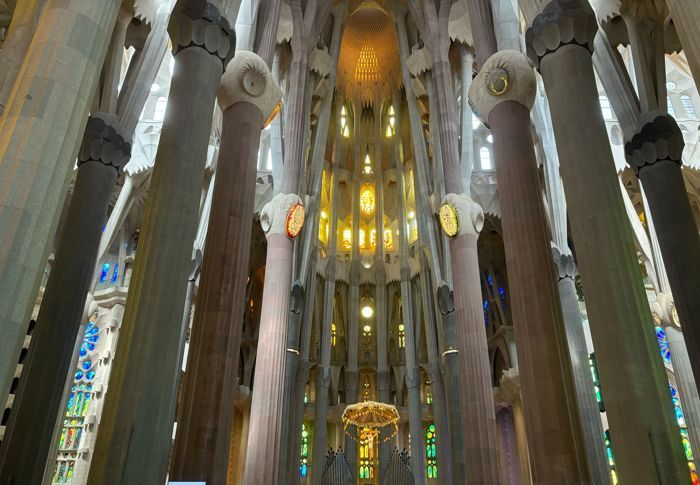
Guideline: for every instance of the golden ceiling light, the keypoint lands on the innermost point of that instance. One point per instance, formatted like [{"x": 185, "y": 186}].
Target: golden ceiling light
[{"x": 370, "y": 417}]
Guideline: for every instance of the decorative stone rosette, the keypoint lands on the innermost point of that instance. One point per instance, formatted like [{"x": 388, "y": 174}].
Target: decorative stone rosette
[
  {"x": 505, "y": 76},
  {"x": 561, "y": 22},
  {"x": 658, "y": 137},
  {"x": 468, "y": 215},
  {"x": 104, "y": 142},
  {"x": 248, "y": 79},
  {"x": 200, "y": 24},
  {"x": 281, "y": 213}
]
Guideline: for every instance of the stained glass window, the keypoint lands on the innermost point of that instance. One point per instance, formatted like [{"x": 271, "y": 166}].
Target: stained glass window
[
  {"x": 333, "y": 334},
  {"x": 304, "y": 463},
  {"x": 103, "y": 273},
  {"x": 663, "y": 345},
  {"x": 596, "y": 382},
  {"x": 344, "y": 128},
  {"x": 115, "y": 274},
  {"x": 367, "y": 199},
  {"x": 430, "y": 454},
  {"x": 367, "y": 454},
  {"x": 402, "y": 336}
]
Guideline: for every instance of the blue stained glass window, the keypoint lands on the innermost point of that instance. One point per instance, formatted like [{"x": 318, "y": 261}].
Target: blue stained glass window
[
  {"x": 89, "y": 339},
  {"x": 663, "y": 345},
  {"x": 87, "y": 364},
  {"x": 489, "y": 279},
  {"x": 103, "y": 274},
  {"x": 304, "y": 463},
  {"x": 78, "y": 375},
  {"x": 116, "y": 273},
  {"x": 90, "y": 375}
]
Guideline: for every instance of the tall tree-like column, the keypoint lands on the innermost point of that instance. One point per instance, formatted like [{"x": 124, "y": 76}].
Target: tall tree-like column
[
  {"x": 686, "y": 18},
  {"x": 655, "y": 154},
  {"x": 502, "y": 95},
  {"x": 31, "y": 428},
  {"x": 479, "y": 419},
  {"x": 134, "y": 440},
  {"x": 14, "y": 48},
  {"x": 647, "y": 449},
  {"x": 262, "y": 463},
  {"x": 40, "y": 133},
  {"x": 248, "y": 97}
]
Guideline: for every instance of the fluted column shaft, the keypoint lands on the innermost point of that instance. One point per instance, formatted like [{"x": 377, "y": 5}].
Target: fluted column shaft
[
  {"x": 30, "y": 431},
  {"x": 136, "y": 428},
  {"x": 205, "y": 421},
  {"x": 655, "y": 153},
  {"x": 537, "y": 314},
  {"x": 40, "y": 132},
  {"x": 647, "y": 449}
]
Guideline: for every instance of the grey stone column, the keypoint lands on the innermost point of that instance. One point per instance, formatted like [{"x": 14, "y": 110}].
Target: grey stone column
[
  {"x": 135, "y": 434},
  {"x": 654, "y": 152},
  {"x": 40, "y": 133},
  {"x": 647, "y": 449},
  {"x": 467, "y": 132},
  {"x": 14, "y": 48},
  {"x": 30, "y": 430},
  {"x": 248, "y": 97},
  {"x": 502, "y": 95}
]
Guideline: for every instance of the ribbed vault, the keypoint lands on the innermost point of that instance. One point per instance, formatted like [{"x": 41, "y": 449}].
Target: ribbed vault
[{"x": 369, "y": 56}]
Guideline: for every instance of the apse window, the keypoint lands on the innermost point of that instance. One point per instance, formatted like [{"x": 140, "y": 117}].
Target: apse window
[
  {"x": 688, "y": 106},
  {"x": 485, "y": 159},
  {"x": 159, "y": 112},
  {"x": 391, "y": 126},
  {"x": 669, "y": 106},
  {"x": 606, "y": 108}
]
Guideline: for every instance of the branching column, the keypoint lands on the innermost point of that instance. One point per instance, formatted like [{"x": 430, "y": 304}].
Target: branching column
[
  {"x": 40, "y": 133},
  {"x": 30, "y": 431},
  {"x": 503, "y": 94},
  {"x": 136, "y": 427},
  {"x": 248, "y": 97},
  {"x": 645, "y": 436},
  {"x": 654, "y": 152}
]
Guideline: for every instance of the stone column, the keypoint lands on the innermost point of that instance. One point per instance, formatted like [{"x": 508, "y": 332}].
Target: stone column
[
  {"x": 686, "y": 18},
  {"x": 510, "y": 391},
  {"x": 16, "y": 44},
  {"x": 508, "y": 442},
  {"x": 248, "y": 97},
  {"x": 135, "y": 434},
  {"x": 40, "y": 134},
  {"x": 654, "y": 153},
  {"x": 467, "y": 132},
  {"x": 647, "y": 449},
  {"x": 502, "y": 95},
  {"x": 30, "y": 431}
]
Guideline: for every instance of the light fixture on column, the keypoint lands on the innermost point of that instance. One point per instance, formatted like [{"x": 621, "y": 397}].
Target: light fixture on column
[{"x": 367, "y": 311}]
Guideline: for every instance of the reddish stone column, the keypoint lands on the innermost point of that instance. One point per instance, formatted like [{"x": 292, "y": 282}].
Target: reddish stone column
[
  {"x": 248, "y": 97},
  {"x": 503, "y": 94}
]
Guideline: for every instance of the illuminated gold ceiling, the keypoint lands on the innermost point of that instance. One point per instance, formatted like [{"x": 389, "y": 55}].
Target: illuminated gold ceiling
[{"x": 369, "y": 57}]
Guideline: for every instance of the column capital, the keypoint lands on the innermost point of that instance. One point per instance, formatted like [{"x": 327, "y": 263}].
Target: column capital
[
  {"x": 200, "y": 24},
  {"x": 564, "y": 261},
  {"x": 247, "y": 78},
  {"x": 664, "y": 311},
  {"x": 469, "y": 215},
  {"x": 509, "y": 387},
  {"x": 446, "y": 299},
  {"x": 658, "y": 137},
  {"x": 505, "y": 76},
  {"x": 104, "y": 142},
  {"x": 281, "y": 212},
  {"x": 559, "y": 23}
]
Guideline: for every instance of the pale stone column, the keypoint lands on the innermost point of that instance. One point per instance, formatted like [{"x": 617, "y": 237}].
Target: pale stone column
[
  {"x": 655, "y": 154},
  {"x": 647, "y": 449},
  {"x": 478, "y": 415},
  {"x": 510, "y": 391},
  {"x": 467, "y": 132},
  {"x": 38, "y": 400},
  {"x": 40, "y": 133},
  {"x": 248, "y": 96},
  {"x": 16, "y": 44},
  {"x": 135, "y": 434},
  {"x": 502, "y": 95},
  {"x": 686, "y": 18}
]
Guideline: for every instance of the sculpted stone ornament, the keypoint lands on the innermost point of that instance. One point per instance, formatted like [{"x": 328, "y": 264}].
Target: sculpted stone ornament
[
  {"x": 658, "y": 138},
  {"x": 274, "y": 216},
  {"x": 248, "y": 79},
  {"x": 505, "y": 76},
  {"x": 561, "y": 22},
  {"x": 665, "y": 310},
  {"x": 565, "y": 264},
  {"x": 469, "y": 215},
  {"x": 200, "y": 24},
  {"x": 104, "y": 142}
]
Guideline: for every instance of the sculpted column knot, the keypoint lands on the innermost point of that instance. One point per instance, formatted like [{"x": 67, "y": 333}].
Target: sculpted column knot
[
  {"x": 505, "y": 76},
  {"x": 658, "y": 138},
  {"x": 280, "y": 214},
  {"x": 460, "y": 215},
  {"x": 200, "y": 24},
  {"x": 248, "y": 79},
  {"x": 104, "y": 142},
  {"x": 559, "y": 23},
  {"x": 566, "y": 267},
  {"x": 664, "y": 311}
]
